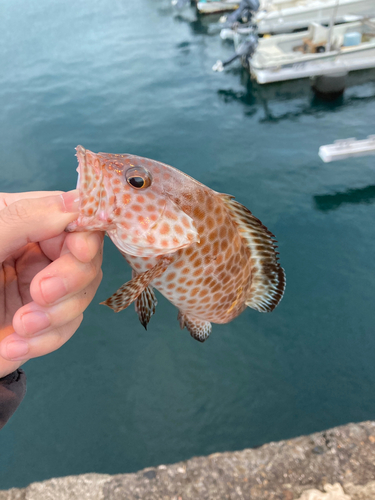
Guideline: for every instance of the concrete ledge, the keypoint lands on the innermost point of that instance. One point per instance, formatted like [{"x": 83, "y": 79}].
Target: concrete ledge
[{"x": 304, "y": 468}]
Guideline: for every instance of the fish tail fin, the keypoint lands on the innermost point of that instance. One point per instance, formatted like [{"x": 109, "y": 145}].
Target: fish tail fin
[{"x": 268, "y": 277}]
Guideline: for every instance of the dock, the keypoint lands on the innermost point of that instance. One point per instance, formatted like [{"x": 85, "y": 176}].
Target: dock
[{"x": 347, "y": 148}]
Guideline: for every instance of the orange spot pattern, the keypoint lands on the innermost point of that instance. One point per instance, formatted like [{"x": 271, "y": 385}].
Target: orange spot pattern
[
  {"x": 165, "y": 228},
  {"x": 208, "y": 280}
]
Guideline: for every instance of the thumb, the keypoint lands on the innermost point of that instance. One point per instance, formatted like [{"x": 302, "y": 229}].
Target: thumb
[{"x": 35, "y": 219}]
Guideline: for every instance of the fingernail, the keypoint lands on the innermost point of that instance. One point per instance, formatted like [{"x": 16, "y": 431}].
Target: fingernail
[
  {"x": 52, "y": 289},
  {"x": 71, "y": 201},
  {"x": 34, "y": 321},
  {"x": 17, "y": 349}
]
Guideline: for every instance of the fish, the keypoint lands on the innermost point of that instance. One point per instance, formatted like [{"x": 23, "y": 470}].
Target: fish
[{"x": 203, "y": 250}]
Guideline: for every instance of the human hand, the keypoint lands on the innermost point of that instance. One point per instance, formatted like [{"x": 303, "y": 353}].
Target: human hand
[{"x": 47, "y": 277}]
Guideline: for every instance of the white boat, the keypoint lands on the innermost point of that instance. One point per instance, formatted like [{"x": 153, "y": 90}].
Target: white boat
[
  {"x": 347, "y": 148},
  {"x": 317, "y": 51},
  {"x": 282, "y": 16},
  {"x": 211, "y": 7}
]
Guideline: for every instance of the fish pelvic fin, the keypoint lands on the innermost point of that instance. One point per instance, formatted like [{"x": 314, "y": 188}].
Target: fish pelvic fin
[
  {"x": 268, "y": 277},
  {"x": 199, "y": 329},
  {"x": 131, "y": 290},
  {"x": 145, "y": 304}
]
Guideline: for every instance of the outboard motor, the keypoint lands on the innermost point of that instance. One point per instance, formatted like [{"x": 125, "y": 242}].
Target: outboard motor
[
  {"x": 243, "y": 14},
  {"x": 244, "y": 52}
]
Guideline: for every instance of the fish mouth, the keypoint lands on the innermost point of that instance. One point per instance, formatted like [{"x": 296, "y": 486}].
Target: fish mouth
[
  {"x": 90, "y": 175},
  {"x": 93, "y": 210},
  {"x": 81, "y": 156},
  {"x": 82, "y": 169}
]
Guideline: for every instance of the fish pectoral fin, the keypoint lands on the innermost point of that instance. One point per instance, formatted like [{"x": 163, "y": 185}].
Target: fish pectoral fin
[
  {"x": 131, "y": 290},
  {"x": 199, "y": 329},
  {"x": 145, "y": 305},
  {"x": 267, "y": 276}
]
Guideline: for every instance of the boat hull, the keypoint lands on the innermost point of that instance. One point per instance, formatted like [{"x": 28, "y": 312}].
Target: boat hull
[{"x": 331, "y": 63}]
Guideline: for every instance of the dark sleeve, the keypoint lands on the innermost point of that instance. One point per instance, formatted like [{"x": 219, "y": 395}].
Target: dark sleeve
[{"x": 12, "y": 391}]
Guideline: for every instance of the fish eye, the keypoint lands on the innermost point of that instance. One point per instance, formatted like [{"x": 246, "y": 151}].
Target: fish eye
[
  {"x": 136, "y": 182},
  {"x": 138, "y": 177}
]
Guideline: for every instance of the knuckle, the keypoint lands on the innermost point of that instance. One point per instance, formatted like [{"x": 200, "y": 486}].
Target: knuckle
[
  {"x": 98, "y": 259},
  {"x": 82, "y": 301},
  {"x": 94, "y": 285},
  {"x": 91, "y": 270},
  {"x": 16, "y": 212}
]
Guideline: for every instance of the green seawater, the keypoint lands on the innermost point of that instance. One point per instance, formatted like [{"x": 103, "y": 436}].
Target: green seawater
[{"x": 132, "y": 77}]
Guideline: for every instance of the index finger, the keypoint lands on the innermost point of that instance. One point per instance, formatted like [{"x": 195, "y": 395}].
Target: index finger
[
  {"x": 8, "y": 198},
  {"x": 35, "y": 219}
]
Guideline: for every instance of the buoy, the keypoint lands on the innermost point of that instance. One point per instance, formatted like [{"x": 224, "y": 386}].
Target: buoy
[{"x": 331, "y": 85}]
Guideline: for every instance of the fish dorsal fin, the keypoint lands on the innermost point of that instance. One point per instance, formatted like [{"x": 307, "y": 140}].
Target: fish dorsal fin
[
  {"x": 131, "y": 290},
  {"x": 268, "y": 277}
]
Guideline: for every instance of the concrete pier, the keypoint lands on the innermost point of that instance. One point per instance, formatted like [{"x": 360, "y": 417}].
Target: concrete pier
[{"x": 337, "y": 464}]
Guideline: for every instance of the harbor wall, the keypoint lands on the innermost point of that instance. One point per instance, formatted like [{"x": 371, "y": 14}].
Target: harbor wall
[{"x": 337, "y": 464}]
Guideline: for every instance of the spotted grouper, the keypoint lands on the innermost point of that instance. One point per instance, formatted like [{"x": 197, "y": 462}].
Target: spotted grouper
[{"x": 204, "y": 251}]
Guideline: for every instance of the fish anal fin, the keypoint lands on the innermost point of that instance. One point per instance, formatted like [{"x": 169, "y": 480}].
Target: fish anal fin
[
  {"x": 131, "y": 290},
  {"x": 267, "y": 276},
  {"x": 199, "y": 329}
]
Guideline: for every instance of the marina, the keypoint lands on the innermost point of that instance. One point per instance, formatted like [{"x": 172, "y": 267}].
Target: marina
[
  {"x": 339, "y": 39},
  {"x": 317, "y": 51}
]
